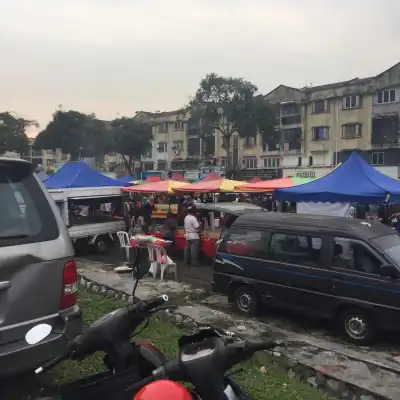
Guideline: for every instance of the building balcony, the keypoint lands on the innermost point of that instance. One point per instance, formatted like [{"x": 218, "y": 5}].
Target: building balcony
[
  {"x": 382, "y": 146},
  {"x": 290, "y": 120},
  {"x": 319, "y": 146}
]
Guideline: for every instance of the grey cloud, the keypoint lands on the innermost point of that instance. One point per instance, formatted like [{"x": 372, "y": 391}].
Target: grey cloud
[{"x": 114, "y": 56}]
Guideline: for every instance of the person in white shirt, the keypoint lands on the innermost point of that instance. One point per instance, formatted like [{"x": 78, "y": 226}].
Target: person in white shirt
[{"x": 192, "y": 226}]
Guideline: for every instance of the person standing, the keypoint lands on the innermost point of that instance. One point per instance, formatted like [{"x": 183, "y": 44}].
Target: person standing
[
  {"x": 147, "y": 211},
  {"x": 192, "y": 226}
]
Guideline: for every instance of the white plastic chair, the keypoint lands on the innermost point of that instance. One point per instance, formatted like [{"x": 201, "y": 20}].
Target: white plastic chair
[
  {"x": 157, "y": 255},
  {"x": 123, "y": 238}
]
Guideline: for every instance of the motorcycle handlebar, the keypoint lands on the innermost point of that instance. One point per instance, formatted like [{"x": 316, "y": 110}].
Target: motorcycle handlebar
[{"x": 145, "y": 307}]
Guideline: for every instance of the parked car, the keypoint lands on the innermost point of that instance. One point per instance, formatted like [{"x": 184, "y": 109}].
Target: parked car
[
  {"x": 347, "y": 270},
  {"x": 38, "y": 275}
]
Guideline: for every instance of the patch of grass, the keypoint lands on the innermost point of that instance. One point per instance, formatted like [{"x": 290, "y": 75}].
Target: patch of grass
[{"x": 274, "y": 384}]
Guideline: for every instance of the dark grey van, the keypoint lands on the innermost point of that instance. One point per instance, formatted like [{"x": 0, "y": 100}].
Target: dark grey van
[
  {"x": 38, "y": 276},
  {"x": 343, "y": 269}
]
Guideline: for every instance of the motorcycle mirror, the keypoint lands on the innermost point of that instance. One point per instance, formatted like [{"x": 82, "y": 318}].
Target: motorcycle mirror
[
  {"x": 38, "y": 333},
  {"x": 140, "y": 270}
]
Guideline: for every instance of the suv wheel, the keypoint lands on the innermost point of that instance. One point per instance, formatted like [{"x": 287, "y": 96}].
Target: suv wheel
[
  {"x": 358, "y": 326},
  {"x": 245, "y": 300}
]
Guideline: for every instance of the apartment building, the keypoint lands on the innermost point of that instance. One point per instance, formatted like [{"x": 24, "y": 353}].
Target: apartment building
[
  {"x": 317, "y": 127},
  {"x": 177, "y": 145},
  {"x": 335, "y": 119}
]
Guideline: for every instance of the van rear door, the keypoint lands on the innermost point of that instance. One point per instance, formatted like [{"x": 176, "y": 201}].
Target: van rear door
[{"x": 32, "y": 253}]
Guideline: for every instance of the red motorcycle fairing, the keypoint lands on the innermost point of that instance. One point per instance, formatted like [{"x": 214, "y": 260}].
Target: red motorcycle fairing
[{"x": 151, "y": 352}]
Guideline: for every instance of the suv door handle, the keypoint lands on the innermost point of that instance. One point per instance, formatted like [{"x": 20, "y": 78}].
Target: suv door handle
[{"x": 5, "y": 285}]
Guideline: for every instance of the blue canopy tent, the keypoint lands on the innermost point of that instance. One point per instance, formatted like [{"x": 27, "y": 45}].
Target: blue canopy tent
[
  {"x": 42, "y": 176},
  {"x": 78, "y": 175},
  {"x": 126, "y": 179},
  {"x": 353, "y": 181}
]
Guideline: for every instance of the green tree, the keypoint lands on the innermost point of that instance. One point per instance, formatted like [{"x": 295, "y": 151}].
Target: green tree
[
  {"x": 13, "y": 133},
  {"x": 74, "y": 133},
  {"x": 130, "y": 138},
  {"x": 228, "y": 106}
]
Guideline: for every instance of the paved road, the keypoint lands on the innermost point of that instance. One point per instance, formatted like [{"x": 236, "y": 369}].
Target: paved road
[
  {"x": 375, "y": 369},
  {"x": 202, "y": 276}
]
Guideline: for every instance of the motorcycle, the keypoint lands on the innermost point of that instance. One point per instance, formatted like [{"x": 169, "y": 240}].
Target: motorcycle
[
  {"x": 203, "y": 360},
  {"x": 127, "y": 361}
]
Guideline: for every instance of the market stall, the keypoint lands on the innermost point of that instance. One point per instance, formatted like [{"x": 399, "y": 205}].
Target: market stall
[
  {"x": 355, "y": 181},
  {"x": 168, "y": 186},
  {"x": 91, "y": 204},
  {"x": 210, "y": 236}
]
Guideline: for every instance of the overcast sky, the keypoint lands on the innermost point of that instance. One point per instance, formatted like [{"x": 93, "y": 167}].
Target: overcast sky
[{"x": 120, "y": 56}]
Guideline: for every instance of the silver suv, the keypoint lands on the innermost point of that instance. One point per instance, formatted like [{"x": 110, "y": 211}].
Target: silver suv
[{"x": 38, "y": 275}]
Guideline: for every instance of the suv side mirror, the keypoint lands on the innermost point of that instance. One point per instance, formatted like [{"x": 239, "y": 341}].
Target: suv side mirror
[{"x": 390, "y": 271}]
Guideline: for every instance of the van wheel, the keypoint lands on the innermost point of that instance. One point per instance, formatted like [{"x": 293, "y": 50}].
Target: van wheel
[
  {"x": 245, "y": 300},
  {"x": 101, "y": 245},
  {"x": 358, "y": 326}
]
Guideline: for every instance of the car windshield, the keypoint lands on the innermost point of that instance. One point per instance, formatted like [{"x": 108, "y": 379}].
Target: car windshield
[
  {"x": 390, "y": 245},
  {"x": 25, "y": 215}
]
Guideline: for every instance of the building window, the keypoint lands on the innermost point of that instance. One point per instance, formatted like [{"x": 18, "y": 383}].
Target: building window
[
  {"x": 386, "y": 96},
  {"x": 178, "y": 126},
  {"x": 291, "y": 109},
  {"x": 351, "y": 102},
  {"x": 350, "y": 131},
  {"x": 273, "y": 147},
  {"x": 250, "y": 162},
  {"x": 321, "y": 106},
  {"x": 310, "y": 161},
  {"x": 378, "y": 158},
  {"x": 162, "y": 165},
  {"x": 162, "y": 147},
  {"x": 148, "y": 154},
  {"x": 163, "y": 128},
  {"x": 250, "y": 141},
  {"x": 272, "y": 162},
  {"x": 299, "y": 162},
  {"x": 320, "y": 133},
  {"x": 178, "y": 145},
  {"x": 148, "y": 166}
]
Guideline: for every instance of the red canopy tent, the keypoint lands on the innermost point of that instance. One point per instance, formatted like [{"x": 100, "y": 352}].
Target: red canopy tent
[
  {"x": 271, "y": 185},
  {"x": 211, "y": 176},
  {"x": 178, "y": 177},
  {"x": 153, "y": 179},
  {"x": 256, "y": 179}
]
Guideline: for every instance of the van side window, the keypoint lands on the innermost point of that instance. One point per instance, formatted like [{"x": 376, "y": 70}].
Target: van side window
[
  {"x": 25, "y": 214},
  {"x": 354, "y": 256},
  {"x": 295, "y": 249},
  {"x": 246, "y": 242}
]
